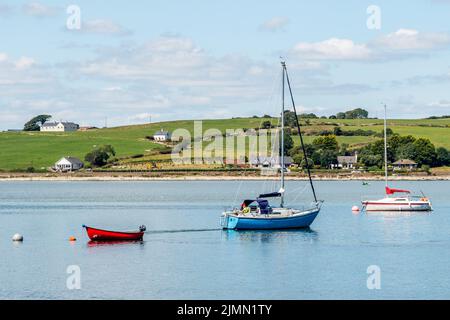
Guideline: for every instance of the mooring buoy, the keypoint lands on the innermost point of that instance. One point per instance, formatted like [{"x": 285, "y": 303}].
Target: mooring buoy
[{"x": 17, "y": 237}]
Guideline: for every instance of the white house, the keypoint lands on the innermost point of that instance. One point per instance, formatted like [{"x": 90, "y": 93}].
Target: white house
[
  {"x": 346, "y": 162},
  {"x": 269, "y": 162},
  {"x": 69, "y": 164},
  {"x": 59, "y": 126},
  {"x": 161, "y": 135},
  {"x": 404, "y": 164}
]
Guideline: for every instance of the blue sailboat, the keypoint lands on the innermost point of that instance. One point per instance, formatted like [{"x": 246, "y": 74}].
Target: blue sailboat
[{"x": 258, "y": 214}]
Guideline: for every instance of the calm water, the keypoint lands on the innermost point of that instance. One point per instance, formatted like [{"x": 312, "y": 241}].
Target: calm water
[{"x": 329, "y": 261}]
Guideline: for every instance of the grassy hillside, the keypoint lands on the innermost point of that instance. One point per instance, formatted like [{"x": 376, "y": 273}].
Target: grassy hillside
[{"x": 19, "y": 150}]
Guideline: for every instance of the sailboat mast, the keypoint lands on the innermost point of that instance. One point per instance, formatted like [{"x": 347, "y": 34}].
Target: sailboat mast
[
  {"x": 299, "y": 132},
  {"x": 385, "y": 149},
  {"x": 282, "y": 137}
]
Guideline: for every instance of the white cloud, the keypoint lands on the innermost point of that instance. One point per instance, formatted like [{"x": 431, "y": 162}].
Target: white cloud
[
  {"x": 274, "y": 24},
  {"x": 103, "y": 26},
  {"x": 400, "y": 44},
  {"x": 24, "y": 63},
  {"x": 3, "y": 57},
  {"x": 37, "y": 9},
  {"x": 440, "y": 104},
  {"x": 410, "y": 39},
  {"x": 332, "y": 49}
]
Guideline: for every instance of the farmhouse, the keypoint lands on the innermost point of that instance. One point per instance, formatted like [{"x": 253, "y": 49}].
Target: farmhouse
[
  {"x": 346, "y": 162},
  {"x": 59, "y": 126},
  {"x": 69, "y": 164},
  {"x": 404, "y": 164},
  {"x": 269, "y": 162},
  {"x": 161, "y": 135}
]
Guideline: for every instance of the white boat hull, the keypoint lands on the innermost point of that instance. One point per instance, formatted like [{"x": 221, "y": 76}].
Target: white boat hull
[{"x": 390, "y": 204}]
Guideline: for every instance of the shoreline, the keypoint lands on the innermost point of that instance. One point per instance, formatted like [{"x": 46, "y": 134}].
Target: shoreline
[{"x": 203, "y": 177}]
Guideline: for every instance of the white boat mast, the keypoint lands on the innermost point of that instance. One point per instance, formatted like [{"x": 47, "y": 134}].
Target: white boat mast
[
  {"x": 282, "y": 137},
  {"x": 385, "y": 149}
]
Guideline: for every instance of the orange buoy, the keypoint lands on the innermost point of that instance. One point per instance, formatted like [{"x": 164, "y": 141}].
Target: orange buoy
[
  {"x": 72, "y": 239},
  {"x": 355, "y": 208}
]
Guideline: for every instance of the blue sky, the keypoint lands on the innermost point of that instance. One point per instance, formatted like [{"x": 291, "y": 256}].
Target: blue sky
[{"x": 214, "y": 59}]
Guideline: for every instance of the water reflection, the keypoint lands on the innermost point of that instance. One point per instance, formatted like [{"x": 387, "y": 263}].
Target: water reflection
[
  {"x": 95, "y": 244},
  {"x": 397, "y": 214},
  {"x": 267, "y": 236}
]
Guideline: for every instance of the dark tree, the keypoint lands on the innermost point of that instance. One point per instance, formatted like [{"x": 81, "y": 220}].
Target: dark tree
[
  {"x": 266, "y": 125},
  {"x": 357, "y": 113},
  {"x": 99, "y": 156},
  {"x": 340, "y": 115},
  {"x": 36, "y": 123},
  {"x": 289, "y": 119},
  {"x": 288, "y": 143},
  {"x": 425, "y": 152},
  {"x": 326, "y": 143},
  {"x": 442, "y": 157},
  {"x": 337, "y": 131}
]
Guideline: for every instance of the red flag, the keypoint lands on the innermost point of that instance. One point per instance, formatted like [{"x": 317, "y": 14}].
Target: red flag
[{"x": 392, "y": 191}]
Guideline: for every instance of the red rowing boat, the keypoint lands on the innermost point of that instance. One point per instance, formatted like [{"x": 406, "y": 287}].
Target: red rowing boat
[{"x": 107, "y": 235}]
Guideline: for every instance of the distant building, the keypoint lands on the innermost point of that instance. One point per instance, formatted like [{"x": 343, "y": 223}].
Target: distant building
[
  {"x": 161, "y": 135},
  {"x": 404, "y": 164},
  {"x": 346, "y": 162},
  {"x": 59, "y": 126},
  {"x": 269, "y": 162},
  {"x": 69, "y": 164}
]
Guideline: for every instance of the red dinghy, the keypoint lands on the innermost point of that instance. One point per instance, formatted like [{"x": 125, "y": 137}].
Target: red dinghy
[{"x": 107, "y": 235}]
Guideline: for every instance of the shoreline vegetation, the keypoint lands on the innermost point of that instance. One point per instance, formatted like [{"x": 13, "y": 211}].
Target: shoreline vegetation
[{"x": 211, "y": 176}]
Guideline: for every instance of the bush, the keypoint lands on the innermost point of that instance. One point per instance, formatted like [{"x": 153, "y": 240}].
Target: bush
[{"x": 100, "y": 155}]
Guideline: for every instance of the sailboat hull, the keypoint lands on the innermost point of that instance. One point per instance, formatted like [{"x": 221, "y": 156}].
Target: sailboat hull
[
  {"x": 263, "y": 222},
  {"x": 381, "y": 205}
]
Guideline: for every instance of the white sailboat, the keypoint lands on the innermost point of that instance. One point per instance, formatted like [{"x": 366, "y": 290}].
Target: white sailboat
[
  {"x": 404, "y": 202},
  {"x": 258, "y": 214}
]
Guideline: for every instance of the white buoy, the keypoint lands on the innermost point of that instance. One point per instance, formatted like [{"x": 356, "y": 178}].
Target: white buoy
[
  {"x": 17, "y": 237},
  {"x": 355, "y": 208}
]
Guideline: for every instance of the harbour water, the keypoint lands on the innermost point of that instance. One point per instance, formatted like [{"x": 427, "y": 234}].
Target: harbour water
[{"x": 185, "y": 254}]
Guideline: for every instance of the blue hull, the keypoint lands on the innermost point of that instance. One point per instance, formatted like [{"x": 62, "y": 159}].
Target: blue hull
[{"x": 251, "y": 223}]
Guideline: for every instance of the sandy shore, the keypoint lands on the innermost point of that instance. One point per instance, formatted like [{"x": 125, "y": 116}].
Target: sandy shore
[{"x": 204, "y": 177}]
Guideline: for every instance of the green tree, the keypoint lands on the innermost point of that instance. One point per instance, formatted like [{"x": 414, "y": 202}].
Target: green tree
[
  {"x": 288, "y": 143},
  {"x": 100, "y": 155},
  {"x": 289, "y": 119},
  {"x": 266, "y": 124},
  {"x": 340, "y": 115},
  {"x": 328, "y": 142},
  {"x": 357, "y": 113},
  {"x": 310, "y": 163},
  {"x": 442, "y": 157},
  {"x": 425, "y": 152},
  {"x": 36, "y": 123}
]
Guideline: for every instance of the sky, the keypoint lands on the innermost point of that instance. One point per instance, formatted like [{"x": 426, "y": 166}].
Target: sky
[{"x": 130, "y": 62}]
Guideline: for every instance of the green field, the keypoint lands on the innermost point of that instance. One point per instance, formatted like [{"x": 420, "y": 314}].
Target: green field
[{"x": 20, "y": 150}]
